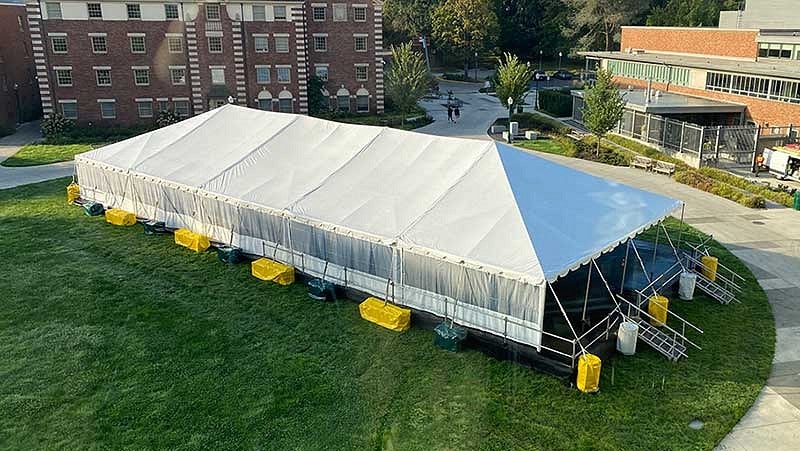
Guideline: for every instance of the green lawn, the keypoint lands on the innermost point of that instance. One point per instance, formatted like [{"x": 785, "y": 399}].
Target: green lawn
[
  {"x": 38, "y": 154},
  {"x": 110, "y": 339},
  {"x": 546, "y": 145}
]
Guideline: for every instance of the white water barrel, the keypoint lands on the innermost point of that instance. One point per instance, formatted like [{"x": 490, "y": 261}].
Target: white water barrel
[
  {"x": 686, "y": 285},
  {"x": 627, "y": 334}
]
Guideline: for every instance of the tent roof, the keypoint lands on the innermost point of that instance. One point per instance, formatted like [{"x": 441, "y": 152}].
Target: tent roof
[{"x": 480, "y": 202}]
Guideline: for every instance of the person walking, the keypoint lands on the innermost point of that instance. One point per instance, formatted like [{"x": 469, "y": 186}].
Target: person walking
[
  {"x": 449, "y": 113},
  {"x": 456, "y": 114}
]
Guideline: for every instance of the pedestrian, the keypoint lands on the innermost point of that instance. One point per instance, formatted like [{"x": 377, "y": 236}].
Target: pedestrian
[
  {"x": 449, "y": 113},
  {"x": 456, "y": 114},
  {"x": 759, "y": 163}
]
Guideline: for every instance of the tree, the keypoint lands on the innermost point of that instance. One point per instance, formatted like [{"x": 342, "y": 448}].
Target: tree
[
  {"x": 603, "y": 106},
  {"x": 167, "y": 117},
  {"x": 689, "y": 13},
  {"x": 56, "y": 125},
  {"x": 464, "y": 27},
  {"x": 597, "y": 23},
  {"x": 318, "y": 103},
  {"x": 512, "y": 79},
  {"x": 406, "y": 79},
  {"x": 527, "y": 26},
  {"x": 408, "y": 19}
]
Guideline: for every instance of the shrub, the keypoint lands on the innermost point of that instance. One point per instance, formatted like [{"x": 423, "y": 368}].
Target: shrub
[
  {"x": 457, "y": 77},
  {"x": 6, "y": 130},
  {"x": 778, "y": 196},
  {"x": 702, "y": 182},
  {"x": 93, "y": 134},
  {"x": 56, "y": 126},
  {"x": 167, "y": 117},
  {"x": 587, "y": 150},
  {"x": 555, "y": 102}
]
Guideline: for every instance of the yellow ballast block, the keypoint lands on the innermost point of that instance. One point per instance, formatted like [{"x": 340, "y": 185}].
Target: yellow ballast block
[
  {"x": 387, "y": 315},
  {"x": 193, "y": 241},
  {"x": 120, "y": 217},
  {"x": 657, "y": 307},
  {"x": 710, "y": 265},
  {"x": 73, "y": 192},
  {"x": 588, "y": 380},
  {"x": 266, "y": 269}
]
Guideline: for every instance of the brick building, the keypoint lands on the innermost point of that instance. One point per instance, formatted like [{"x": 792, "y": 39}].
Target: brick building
[
  {"x": 757, "y": 66},
  {"x": 19, "y": 96},
  {"x": 123, "y": 62}
]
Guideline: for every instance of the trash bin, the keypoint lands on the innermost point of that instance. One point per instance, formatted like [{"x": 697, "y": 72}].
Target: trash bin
[
  {"x": 797, "y": 200},
  {"x": 627, "y": 335},
  {"x": 686, "y": 285}
]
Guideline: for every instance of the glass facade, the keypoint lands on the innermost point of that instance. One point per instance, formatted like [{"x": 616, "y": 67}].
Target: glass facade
[{"x": 659, "y": 73}]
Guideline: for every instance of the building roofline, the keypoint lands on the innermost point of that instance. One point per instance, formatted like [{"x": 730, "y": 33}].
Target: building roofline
[{"x": 691, "y": 28}]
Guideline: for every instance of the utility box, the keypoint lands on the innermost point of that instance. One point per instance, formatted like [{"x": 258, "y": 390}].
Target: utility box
[
  {"x": 532, "y": 135},
  {"x": 514, "y": 128}
]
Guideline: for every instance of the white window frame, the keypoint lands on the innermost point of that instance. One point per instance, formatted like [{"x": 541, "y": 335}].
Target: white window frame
[
  {"x": 281, "y": 37},
  {"x": 139, "y": 103},
  {"x": 68, "y": 69},
  {"x": 69, "y": 102},
  {"x": 320, "y": 38},
  {"x": 212, "y": 70},
  {"x": 365, "y": 67},
  {"x": 107, "y": 102},
  {"x": 315, "y": 7},
  {"x": 288, "y": 71},
  {"x": 146, "y": 70},
  {"x": 325, "y": 66},
  {"x": 51, "y": 8},
  {"x": 269, "y": 75},
  {"x": 177, "y": 11},
  {"x": 262, "y": 15},
  {"x": 275, "y": 12},
  {"x": 172, "y": 72},
  {"x": 173, "y": 38},
  {"x": 338, "y": 9},
  {"x": 359, "y": 8},
  {"x": 163, "y": 104},
  {"x": 52, "y": 43},
  {"x": 97, "y": 70},
  {"x": 356, "y": 37},
  {"x": 264, "y": 38},
  {"x": 214, "y": 38},
  {"x": 134, "y": 11},
  {"x": 137, "y": 36},
  {"x": 216, "y": 16},
  {"x": 181, "y": 101},
  {"x": 89, "y": 10},
  {"x": 358, "y": 109},
  {"x": 92, "y": 37}
]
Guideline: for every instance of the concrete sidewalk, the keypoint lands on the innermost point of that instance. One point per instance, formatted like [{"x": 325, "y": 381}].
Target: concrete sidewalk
[{"x": 9, "y": 145}]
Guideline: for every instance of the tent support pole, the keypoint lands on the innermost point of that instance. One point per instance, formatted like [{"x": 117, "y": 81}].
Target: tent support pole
[
  {"x": 566, "y": 318},
  {"x": 586, "y": 297},
  {"x": 641, "y": 263},
  {"x": 683, "y": 225},
  {"x": 625, "y": 266},
  {"x": 674, "y": 249},
  {"x": 655, "y": 247}
]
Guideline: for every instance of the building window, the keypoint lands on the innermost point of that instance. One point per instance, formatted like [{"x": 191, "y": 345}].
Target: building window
[
  {"x": 265, "y": 104},
  {"x": 181, "y": 107},
  {"x": 108, "y": 109},
  {"x": 362, "y": 103},
  {"x": 319, "y": 13},
  {"x": 361, "y": 73},
  {"x": 284, "y": 74},
  {"x": 262, "y": 75},
  {"x": 282, "y": 44},
  {"x": 53, "y": 10},
  {"x": 94, "y": 10},
  {"x": 360, "y": 13},
  {"x": 261, "y": 44},
  {"x": 64, "y": 77},
  {"x": 321, "y": 43},
  {"x": 171, "y": 11},
  {"x": 137, "y": 44},
  {"x": 285, "y": 105},
  {"x": 141, "y": 77},
  {"x": 259, "y": 13},
  {"x": 134, "y": 11},
  {"x": 339, "y": 12},
  {"x": 657, "y": 72},
  {"x": 215, "y": 44},
  {"x": 343, "y": 102},
  {"x": 212, "y": 11},
  {"x": 177, "y": 75},
  {"x": 103, "y": 77},
  {"x": 761, "y": 87},
  {"x": 59, "y": 44},
  {"x": 218, "y": 75},
  {"x": 99, "y": 44},
  {"x": 175, "y": 44},
  {"x": 69, "y": 109},
  {"x": 361, "y": 43},
  {"x": 145, "y": 108},
  {"x": 279, "y": 12},
  {"x": 775, "y": 50},
  {"x": 163, "y": 104},
  {"x": 321, "y": 72}
]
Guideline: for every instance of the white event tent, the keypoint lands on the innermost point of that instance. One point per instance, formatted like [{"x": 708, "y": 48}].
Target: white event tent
[{"x": 459, "y": 228}]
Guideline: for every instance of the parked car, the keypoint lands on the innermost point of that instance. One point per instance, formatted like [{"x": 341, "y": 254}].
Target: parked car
[
  {"x": 563, "y": 74},
  {"x": 539, "y": 75}
]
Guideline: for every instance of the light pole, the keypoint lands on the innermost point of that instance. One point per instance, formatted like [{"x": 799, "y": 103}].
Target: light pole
[
  {"x": 559, "y": 60},
  {"x": 476, "y": 66},
  {"x": 510, "y": 104},
  {"x": 540, "y": 60}
]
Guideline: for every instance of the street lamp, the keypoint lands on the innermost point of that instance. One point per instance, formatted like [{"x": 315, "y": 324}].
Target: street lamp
[
  {"x": 540, "y": 60},
  {"x": 476, "y": 66},
  {"x": 559, "y": 60},
  {"x": 510, "y": 104}
]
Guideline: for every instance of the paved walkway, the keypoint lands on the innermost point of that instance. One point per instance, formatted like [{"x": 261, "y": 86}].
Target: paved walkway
[
  {"x": 9, "y": 145},
  {"x": 768, "y": 241}
]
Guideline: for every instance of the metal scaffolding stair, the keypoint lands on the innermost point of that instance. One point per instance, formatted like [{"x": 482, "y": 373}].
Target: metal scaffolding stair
[
  {"x": 667, "y": 345},
  {"x": 714, "y": 290},
  {"x": 723, "y": 289}
]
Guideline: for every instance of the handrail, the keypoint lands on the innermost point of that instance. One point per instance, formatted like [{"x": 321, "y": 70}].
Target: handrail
[
  {"x": 727, "y": 281},
  {"x": 665, "y": 324},
  {"x": 611, "y": 324},
  {"x": 652, "y": 284},
  {"x": 669, "y": 312},
  {"x": 599, "y": 323}
]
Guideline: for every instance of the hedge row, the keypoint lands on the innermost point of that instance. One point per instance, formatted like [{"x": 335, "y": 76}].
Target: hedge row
[
  {"x": 777, "y": 196},
  {"x": 555, "y": 102},
  {"x": 541, "y": 123},
  {"x": 697, "y": 180}
]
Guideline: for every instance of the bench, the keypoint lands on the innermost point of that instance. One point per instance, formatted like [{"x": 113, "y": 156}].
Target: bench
[
  {"x": 642, "y": 162},
  {"x": 664, "y": 167}
]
